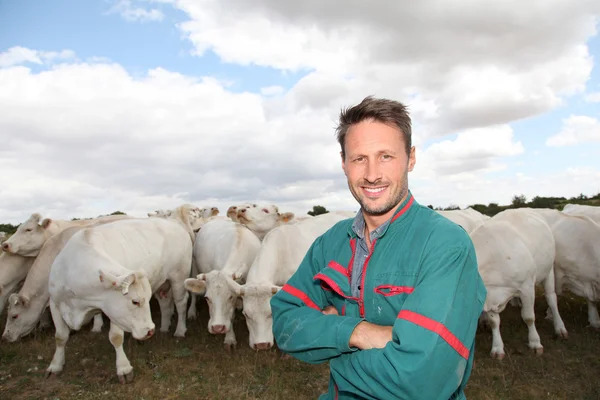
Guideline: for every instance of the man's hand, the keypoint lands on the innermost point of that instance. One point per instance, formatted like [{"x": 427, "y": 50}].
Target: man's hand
[
  {"x": 370, "y": 336},
  {"x": 330, "y": 310}
]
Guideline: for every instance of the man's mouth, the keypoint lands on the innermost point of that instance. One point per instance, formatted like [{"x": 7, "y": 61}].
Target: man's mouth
[{"x": 373, "y": 191}]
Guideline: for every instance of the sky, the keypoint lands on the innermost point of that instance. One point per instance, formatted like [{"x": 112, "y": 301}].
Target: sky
[{"x": 138, "y": 105}]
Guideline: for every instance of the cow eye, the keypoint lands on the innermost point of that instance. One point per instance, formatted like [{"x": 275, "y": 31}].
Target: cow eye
[
  {"x": 15, "y": 316},
  {"x": 265, "y": 210},
  {"x": 136, "y": 303},
  {"x": 28, "y": 230}
]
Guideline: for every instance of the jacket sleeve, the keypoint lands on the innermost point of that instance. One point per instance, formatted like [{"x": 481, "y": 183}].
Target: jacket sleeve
[
  {"x": 432, "y": 337},
  {"x": 299, "y": 326}
]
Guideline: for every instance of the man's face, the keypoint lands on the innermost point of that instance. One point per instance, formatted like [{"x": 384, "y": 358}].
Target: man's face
[{"x": 377, "y": 166}]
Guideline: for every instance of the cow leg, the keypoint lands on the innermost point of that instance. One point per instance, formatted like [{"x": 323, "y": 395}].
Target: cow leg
[
  {"x": 528, "y": 316},
  {"x": 497, "y": 344},
  {"x": 124, "y": 368},
  {"x": 61, "y": 337},
  {"x": 192, "y": 311},
  {"x": 593, "y": 317},
  {"x": 230, "y": 341},
  {"x": 559, "y": 326},
  {"x": 180, "y": 295},
  {"x": 98, "y": 323},
  {"x": 166, "y": 310}
]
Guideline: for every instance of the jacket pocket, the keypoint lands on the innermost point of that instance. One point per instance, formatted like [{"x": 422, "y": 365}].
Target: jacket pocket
[{"x": 393, "y": 290}]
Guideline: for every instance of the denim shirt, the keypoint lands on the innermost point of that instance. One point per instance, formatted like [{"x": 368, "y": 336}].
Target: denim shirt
[{"x": 362, "y": 251}]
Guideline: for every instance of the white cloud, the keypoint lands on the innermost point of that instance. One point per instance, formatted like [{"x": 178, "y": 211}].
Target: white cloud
[
  {"x": 20, "y": 55},
  {"x": 108, "y": 140},
  {"x": 593, "y": 97},
  {"x": 576, "y": 129},
  {"x": 272, "y": 90},
  {"x": 133, "y": 13},
  {"x": 103, "y": 140},
  {"x": 473, "y": 152},
  {"x": 476, "y": 63}
]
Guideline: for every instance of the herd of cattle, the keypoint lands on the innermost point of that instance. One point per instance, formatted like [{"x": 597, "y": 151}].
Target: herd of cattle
[{"x": 115, "y": 264}]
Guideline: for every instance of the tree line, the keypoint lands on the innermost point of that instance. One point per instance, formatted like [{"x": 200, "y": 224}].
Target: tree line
[{"x": 520, "y": 201}]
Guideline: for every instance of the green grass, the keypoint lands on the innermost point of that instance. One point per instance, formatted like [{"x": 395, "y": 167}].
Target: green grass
[{"x": 197, "y": 367}]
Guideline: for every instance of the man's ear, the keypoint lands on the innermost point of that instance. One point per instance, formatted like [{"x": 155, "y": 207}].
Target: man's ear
[{"x": 412, "y": 159}]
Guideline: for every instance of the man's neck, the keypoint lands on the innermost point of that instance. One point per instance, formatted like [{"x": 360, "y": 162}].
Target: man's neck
[{"x": 373, "y": 222}]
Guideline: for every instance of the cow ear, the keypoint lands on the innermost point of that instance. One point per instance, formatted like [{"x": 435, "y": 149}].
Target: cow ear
[
  {"x": 286, "y": 217},
  {"x": 108, "y": 280},
  {"x": 195, "y": 285},
  {"x": 111, "y": 281},
  {"x": 23, "y": 300},
  {"x": 46, "y": 223}
]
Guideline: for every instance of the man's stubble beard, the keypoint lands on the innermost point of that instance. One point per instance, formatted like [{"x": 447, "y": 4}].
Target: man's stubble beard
[{"x": 389, "y": 205}]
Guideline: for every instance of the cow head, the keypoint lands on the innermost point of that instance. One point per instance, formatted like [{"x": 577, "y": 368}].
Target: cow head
[
  {"x": 263, "y": 219},
  {"x": 29, "y": 237},
  {"x": 257, "y": 311},
  {"x": 220, "y": 298},
  {"x": 128, "y": 302},
  {"x": 22, "y": 317}
]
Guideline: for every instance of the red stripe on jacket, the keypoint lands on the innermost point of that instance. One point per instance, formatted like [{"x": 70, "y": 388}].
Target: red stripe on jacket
[
  {"x": 338, "y": 268},
  {"x": 301, "y": 295},
  {"x": 436, "y": 327},
  {"x": 404, "y": 209}
]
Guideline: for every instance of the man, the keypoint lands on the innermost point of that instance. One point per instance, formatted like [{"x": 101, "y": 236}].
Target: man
[{"x": 390, "y": 298}]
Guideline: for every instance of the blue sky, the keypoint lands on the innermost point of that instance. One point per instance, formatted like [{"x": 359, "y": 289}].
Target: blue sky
[
  {"x": 91, "y": 30},
  {"x": 313, "y": 87}
]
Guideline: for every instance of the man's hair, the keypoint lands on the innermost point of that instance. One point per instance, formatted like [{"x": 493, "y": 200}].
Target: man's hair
[{"x": 386, "y": 111}]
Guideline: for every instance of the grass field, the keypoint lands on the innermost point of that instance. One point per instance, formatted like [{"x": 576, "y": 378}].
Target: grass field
[{"x": 197, "y": 367}]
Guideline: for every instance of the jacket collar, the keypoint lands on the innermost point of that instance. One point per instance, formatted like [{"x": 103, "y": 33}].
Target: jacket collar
[{"x": 399, "y": 215}]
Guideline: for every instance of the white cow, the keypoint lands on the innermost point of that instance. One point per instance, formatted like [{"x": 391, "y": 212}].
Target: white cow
[
  {"x": 577, "y": 264},
  {"x": 281, "y": 253},
  {"x": 22, "y": 248},
  {"x": 232, "y": 211},
  {"x": 115, "y": 268},
  {"x": 27, "y": 307},
  {"x": 592, "y": 212},
  {"x": 195, "y": 217},
  {"x": 468, "y": 218},
  {"x": 31, "y": 234},
  {"x": 208, "y": 212},
  {"x": 515, "y": 251},
  {"x": 222, "y": 249},
  {"x": 262, "y": 218},
  {"x": 13, "y": 269}
]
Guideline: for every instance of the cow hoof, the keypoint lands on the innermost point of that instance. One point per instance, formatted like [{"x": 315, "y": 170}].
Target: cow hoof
[
  {"x": 229, "y": 347},
  {"x": 596, "y": 328},
  {"x": 563, "y": 335},
  {"x": 180, "y": 335},
  {"x": 498, "y": 356},
  {"x": 539, "y": 351},
  {"x": 52, "y": 373},
  {"x": 127, "y": 378}
]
